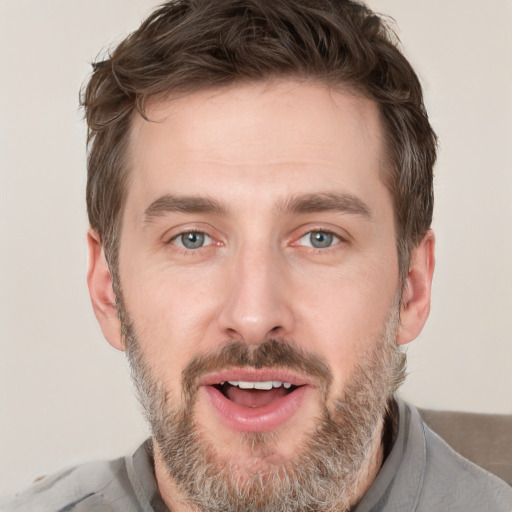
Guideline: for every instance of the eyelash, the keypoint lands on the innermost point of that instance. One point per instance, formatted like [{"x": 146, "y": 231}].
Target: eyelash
[
  {"x": 186, "y": 250},
  {"x": 337, "y": 240}
]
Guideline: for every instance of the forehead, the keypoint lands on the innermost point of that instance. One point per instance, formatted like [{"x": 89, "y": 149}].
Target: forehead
[{"x": 285, "y": 136}]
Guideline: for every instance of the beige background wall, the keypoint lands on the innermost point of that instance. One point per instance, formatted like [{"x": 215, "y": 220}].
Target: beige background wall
[{"x": 65, "y": 396}]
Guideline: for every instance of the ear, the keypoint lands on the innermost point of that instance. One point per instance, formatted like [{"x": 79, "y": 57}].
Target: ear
[
  {"x": 415, "y": 306},
  {"x": 102, "y": 293}
]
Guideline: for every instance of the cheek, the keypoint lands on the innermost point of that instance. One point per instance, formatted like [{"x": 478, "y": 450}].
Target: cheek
[
  {"x": 343, "y": 315},
  {"x": 172, "y": 312}
]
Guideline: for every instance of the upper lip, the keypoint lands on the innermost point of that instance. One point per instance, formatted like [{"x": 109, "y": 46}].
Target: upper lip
[{"x": 254, "y": 375}]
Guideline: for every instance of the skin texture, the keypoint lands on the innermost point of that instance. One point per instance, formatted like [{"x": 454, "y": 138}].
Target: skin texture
[
  {"x": 333, "y": 464},
  {"x": 257, "y": 153}
]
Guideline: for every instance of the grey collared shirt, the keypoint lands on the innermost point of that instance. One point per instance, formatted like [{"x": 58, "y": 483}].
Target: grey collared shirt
[{"x": 421, "y": 473}]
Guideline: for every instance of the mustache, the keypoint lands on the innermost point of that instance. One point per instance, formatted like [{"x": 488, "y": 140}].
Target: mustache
[{"x": 271, "y": 353}]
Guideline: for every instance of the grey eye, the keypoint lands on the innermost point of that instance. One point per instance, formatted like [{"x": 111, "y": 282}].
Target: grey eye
[
  {"x": 320, "y": 239},
  {"x": 192, "y": 240}
]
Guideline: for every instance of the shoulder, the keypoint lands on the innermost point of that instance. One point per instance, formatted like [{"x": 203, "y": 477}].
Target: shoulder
[
  {"x": 94, "y": 486},
  {"x": 452, "y": 483}
]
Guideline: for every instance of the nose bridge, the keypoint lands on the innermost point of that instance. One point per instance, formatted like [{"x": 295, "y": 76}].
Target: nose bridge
[{"x": 255, "y": 302}]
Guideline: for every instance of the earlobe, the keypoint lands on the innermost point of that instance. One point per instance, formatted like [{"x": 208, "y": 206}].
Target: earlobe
[
  {"x": 99, "y": 281},
  {"x": 415, "y": 306}
]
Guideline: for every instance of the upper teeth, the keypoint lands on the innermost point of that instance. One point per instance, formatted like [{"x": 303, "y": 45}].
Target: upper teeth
[{"x": 269, "y": 384}]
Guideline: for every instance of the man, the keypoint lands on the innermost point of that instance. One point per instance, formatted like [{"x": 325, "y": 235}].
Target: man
[{"x": 260, "y": 199}]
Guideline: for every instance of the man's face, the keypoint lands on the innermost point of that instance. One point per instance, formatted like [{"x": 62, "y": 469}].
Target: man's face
[{"x": 256, "y": 217}]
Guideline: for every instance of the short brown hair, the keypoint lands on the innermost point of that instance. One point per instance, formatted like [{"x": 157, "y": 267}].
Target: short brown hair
[{"x": 190, "y": 45}]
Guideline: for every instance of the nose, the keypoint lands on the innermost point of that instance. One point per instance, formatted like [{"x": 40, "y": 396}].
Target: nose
[{"x": 257, "y": 297}]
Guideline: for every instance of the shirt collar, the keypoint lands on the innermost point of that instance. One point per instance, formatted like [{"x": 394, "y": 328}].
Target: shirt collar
[
  {"x": 400, "y": 480},
  {"x": 396, "y": 487}
]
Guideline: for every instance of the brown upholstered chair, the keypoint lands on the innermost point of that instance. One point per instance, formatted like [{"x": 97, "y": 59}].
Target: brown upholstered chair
[{"x": 485, "y": 439}]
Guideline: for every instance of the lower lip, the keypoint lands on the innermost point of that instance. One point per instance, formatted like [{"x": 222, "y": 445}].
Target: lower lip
[{"x": 255, "y": 419}]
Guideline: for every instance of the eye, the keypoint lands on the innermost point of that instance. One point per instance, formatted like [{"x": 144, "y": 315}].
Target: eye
[
  {"x": 192, "y": 240},
  {"x": 319, "y": 239}
]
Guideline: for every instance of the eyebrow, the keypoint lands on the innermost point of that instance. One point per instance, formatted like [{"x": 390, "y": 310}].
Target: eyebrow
[
  {"x": 324, "y": 202},
  {"x": 303, "y": 204},
  {"x": 181, "y": 204}
]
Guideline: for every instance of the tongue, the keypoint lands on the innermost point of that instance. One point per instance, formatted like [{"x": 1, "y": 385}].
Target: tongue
[{"x": 253, "y": 397}]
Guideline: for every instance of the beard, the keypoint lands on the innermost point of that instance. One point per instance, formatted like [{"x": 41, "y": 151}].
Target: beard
[{"x": 331, "y": 459}]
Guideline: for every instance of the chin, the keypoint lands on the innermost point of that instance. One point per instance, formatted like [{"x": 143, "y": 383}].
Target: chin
[
  {"x": 313, "y": 452},
  {"x": 254, "y": 453}
]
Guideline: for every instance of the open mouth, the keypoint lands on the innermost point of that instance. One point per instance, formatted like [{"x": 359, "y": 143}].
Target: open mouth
[
  {"x": 254, "y": 401},
  {"x": 255, "y": 393}
]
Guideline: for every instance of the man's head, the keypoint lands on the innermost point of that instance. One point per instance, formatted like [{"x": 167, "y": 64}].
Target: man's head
[
  {"x": 187, "y": 46},
  {"x": 259, "y": 174}
]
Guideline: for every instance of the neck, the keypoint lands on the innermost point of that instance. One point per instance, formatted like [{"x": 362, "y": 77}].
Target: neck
[
  {"x": 370, "y": 468},
  {"x": 172, "y": 495},
  {"x": 176, "y": 500}
]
